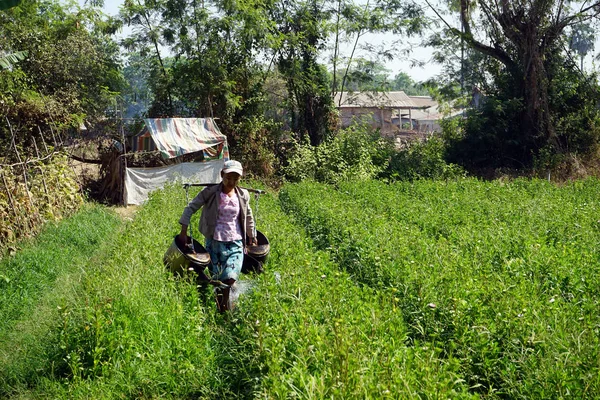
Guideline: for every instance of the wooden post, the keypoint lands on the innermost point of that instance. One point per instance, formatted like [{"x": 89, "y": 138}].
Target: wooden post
[
  {"x": 410, "y": 118},
  {"x": 14, "y": 143},
  {"x": 41, "y": 169},
  {"x": 43, "y": 141}
]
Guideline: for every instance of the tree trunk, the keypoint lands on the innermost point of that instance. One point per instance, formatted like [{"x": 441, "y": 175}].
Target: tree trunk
[{"x": 537, "y": 122}]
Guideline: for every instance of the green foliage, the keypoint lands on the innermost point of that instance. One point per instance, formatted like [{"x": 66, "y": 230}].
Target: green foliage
[
  {"x": 367, "y": 75},
  {"x": 422, "y": 160},
  {"x": 30, "y": 321},
  {"x": 358, "y": 153},
  {"x": 459, "y": 289},
  {"x": 129, "y": 329},
  {"x": 66, "y": 68},
  {"x": 311, "y": 332},
  {"x": 51, "y": 194},
  {"x": 226, "y": 52},
  {"x": 539, "y": 106},
  {"x": 8, "y": 60},
  {"x": 494, "y": 275},
  {"x": 252, "y": 141},
  {"x": 364, "y": 75},
  {"x": 353, "y": 153},
  {"x": 402, "y": 81},
  {"x": 492, "y": 135},
  {"x": 121, "y": 326}
]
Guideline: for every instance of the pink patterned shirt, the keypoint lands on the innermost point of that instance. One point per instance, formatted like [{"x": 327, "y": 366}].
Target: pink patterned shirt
[{"x": 228, "y": 226}]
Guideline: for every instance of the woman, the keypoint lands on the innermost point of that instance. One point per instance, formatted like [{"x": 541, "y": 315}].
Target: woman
[{"x": 226, "y": 223}]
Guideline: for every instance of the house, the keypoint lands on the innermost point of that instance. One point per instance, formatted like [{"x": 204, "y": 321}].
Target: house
[
  {"x": 427, "y": 118},
  {"x": 377, "y": 108}
]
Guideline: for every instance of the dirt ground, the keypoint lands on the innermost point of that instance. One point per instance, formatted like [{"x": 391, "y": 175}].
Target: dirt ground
[
  {"x": 85, "y": 171},
  {"x": 126, "y": 213}
]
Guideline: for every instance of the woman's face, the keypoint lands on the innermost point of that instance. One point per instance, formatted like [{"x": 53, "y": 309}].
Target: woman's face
[{"x": 230, "y": 180}]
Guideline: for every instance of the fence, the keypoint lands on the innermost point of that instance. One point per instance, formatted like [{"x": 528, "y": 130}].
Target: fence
[{"x": 40, "y": 186}]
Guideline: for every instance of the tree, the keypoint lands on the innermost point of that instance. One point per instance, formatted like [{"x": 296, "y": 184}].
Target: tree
[
  {"x": 353, "y": 21},
  {"x": 67, "y": 69},
  {"x": 137, "y": 94},
  {"x": 582, "y": 40},
  {"x": 304, "y": 33},
  {"x": 6, "y": 4},
  {"x": 402, "y": 81},
  {"x": 224, "y": 52},
  {"x": 148, "y": 36},
  {"x": 365, "y": 75},
  {"x": 523, "y": 48}
]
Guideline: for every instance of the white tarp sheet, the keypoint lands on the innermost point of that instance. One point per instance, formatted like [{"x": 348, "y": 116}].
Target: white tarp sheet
[{"x": 139, "y": 182}]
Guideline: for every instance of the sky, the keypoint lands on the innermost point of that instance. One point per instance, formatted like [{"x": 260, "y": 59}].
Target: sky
[{"x": 401, "y": 64}]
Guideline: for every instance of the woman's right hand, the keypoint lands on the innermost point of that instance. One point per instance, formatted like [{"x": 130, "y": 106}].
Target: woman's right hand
[{"x": 182, "y": 238}]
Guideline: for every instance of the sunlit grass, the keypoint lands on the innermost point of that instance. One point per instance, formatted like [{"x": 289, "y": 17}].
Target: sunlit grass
[
  {"x": 423, "y": 290},
  {"x": 501, "y": 277}
]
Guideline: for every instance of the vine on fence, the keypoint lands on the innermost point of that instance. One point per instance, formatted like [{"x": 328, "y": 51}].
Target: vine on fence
[
  {"x": 51, "y": 193},
  {"x": 34, "y": 190}
]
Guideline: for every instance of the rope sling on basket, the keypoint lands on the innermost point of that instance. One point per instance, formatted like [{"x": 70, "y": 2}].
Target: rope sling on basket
[{"x": 193, "y": 257}]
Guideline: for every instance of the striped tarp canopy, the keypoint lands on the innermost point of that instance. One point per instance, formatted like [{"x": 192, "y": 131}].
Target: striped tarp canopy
[{"x": 175, "y": 137}]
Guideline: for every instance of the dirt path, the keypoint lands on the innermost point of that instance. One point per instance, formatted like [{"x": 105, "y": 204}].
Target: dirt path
[{"x": 126, "y": 213}]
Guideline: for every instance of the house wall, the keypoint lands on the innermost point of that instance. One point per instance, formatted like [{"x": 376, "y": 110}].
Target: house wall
[
  {"x": 377, "y": 118},
  {"x": 143, "y": 142},
  {"x": 429, "y": 126}
]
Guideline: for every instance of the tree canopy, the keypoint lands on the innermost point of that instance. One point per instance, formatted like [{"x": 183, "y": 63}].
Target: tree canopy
[
  {"x": 65, "y": 67},
  {"x": 539, "y": 102},
  {"x": 270, "y": 69}
]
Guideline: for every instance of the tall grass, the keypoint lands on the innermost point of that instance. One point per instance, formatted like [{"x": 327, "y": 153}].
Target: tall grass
[
  {"x": 423, "y": 290},
  {"x": 133, "y": 331},
  {"x": 501, "y": 277},
  {"x": 30, "y": 281},
  {"x": 309, "y": 331}
]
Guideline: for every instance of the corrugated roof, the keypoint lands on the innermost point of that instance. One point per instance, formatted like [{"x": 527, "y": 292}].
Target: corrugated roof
[
  {"x": 424, "y": 101},
  {"x": 374, "y": 100},
  {"x": 431, "y": 114}
]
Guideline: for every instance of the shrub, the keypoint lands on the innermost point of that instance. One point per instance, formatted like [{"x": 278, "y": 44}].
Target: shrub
[
  {"x": 422, "y": 160},
  {"x": 253, "y": 141},
  {"x": 353, "y": 153}
]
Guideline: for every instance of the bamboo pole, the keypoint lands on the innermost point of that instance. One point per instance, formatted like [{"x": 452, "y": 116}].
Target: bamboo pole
[
  {"x": 43, "y": 141},
  {"x": 54, "y": 138},
  {"x": 12, "y": 202},
  {"x": 50, "y": 125},
  {"x": 33, "y": 160},
  {"x": 41, "y": 169},
  {"x": 123, "y": 161},
  {"x": 14, "y": 143},
  {"x": 77, "y": 177}
]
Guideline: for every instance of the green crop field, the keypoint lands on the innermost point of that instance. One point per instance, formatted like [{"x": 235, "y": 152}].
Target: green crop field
[{"x": 460, "y": 289}]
